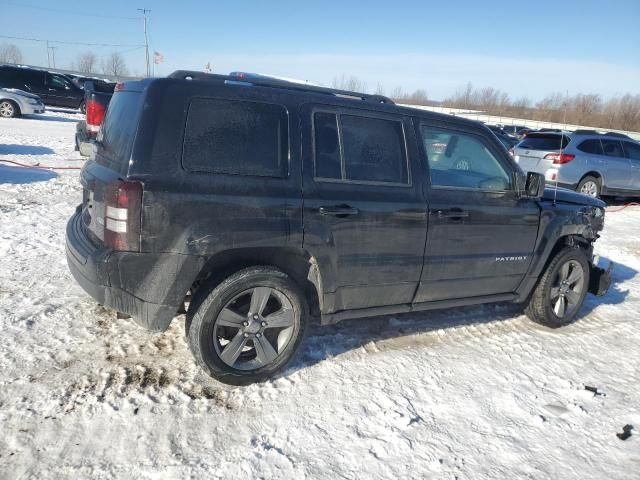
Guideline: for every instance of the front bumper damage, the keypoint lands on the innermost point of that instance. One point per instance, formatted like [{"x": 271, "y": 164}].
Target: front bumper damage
[{"x": 600, "y": 279}]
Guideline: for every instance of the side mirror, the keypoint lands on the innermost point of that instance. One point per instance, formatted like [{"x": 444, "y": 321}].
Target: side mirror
[{"x": 534, "y": 186}]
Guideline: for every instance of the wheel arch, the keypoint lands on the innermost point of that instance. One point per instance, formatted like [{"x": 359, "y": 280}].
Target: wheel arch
[
  {"x": 296, "y": 262},
  {"x": 595, "y": 174}
]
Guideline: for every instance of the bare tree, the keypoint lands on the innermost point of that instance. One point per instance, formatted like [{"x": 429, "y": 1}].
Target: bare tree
[
  {"x": 114, "y": 65},
  {"x": 88, "y": 62},
  {"x": 351, "y": 83},
  {"x": 9, "y": 53}
]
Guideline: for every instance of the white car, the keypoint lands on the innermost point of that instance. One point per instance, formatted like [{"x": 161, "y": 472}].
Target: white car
[{"x": 14, "y": 102}]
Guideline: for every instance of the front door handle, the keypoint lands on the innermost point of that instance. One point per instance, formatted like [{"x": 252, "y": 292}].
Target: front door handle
[
  {"x": 454, "y": 213},
  {"x": 339, "y": 211}
]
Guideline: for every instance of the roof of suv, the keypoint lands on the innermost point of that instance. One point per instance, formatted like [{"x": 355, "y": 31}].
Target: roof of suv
[{"x": 261, "y": 81}]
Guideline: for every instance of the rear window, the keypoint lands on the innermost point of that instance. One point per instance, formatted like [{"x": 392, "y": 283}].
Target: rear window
[
  {"x": 612, "y": 148},
  {"x": 236, "y": 138},
  {"x": 119, "y": 130},
  {"x": 373, "y": 149},
  {"x": 591, "y": 146},
  {"x": 544, "y": 141}
]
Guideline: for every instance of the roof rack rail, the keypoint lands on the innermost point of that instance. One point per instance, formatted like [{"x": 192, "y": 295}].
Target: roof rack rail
[
  {"x": 241, "y": 78},
  {"x": 618, "y": 135}
]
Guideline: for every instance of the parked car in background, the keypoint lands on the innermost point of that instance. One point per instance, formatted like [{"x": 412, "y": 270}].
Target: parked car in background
[
  {"x": 507, "y": 140},
  {"x": 586, "y": 161},
  {"x": 14, "y": 102},
  {"x": 97, "y": 96},
  {"x": 268, "y": 205},
  {"x": 54, "y": 89},
  {"x": 512, "y": 129}
]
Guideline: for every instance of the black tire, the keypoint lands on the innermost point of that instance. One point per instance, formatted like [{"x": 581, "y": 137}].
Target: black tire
[
  {"x": 205, "y": 335},
  {"x": 541, "y": 307},
  {"x": 586, "y": 184},
  {"x": 83, "y": 108},
  {"x": 9, "y": 109}
]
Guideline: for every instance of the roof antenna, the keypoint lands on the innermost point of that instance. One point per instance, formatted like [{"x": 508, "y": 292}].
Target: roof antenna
[{"x": 564, "y": 121}]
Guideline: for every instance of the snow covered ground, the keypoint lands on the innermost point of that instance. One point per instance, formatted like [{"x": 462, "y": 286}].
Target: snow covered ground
[{"x": 468, "y": 393}]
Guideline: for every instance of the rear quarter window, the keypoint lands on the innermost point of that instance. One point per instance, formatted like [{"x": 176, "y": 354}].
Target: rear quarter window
[
  {"x": 236, "y": 138},
  {"x": 119, "y": 130}
]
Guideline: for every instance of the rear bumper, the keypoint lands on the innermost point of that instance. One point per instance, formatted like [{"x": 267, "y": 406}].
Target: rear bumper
[{"x": 145, "y": 286}]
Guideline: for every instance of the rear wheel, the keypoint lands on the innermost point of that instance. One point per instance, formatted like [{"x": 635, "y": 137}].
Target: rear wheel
[
  {"x": 248, "y": 327},
  {"x": 560, "y": 293},
  {"x": 590, "y": 186},
  {"x": 9, "y": 109}
]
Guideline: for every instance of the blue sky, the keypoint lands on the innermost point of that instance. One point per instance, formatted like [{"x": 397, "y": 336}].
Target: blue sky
[{"x": 524, "y": 48}]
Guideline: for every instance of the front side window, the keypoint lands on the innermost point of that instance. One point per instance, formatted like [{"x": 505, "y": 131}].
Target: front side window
[
  {"x": 59, "y": 83},
  {"x": 236, "y": 137},
  {"x": 359, "y": 148},
  {"x": 462, "y": 160}
]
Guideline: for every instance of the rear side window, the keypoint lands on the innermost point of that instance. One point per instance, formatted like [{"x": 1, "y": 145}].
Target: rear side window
[
  {"x": 612, "y": 148},
  {"x": 373, "y": 149},
  {"x": 236, "y": 138},
  {"x": 632, "y": 150},
  {"x": 542, "y": 141},
  {"x": 591, "y": 146}
]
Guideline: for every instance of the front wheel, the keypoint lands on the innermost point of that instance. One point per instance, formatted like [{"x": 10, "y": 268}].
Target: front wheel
[
  {"x": 248, "y": 327},
  {"x": 561, "y": 291},
  {"x": 9, "y": 109}
]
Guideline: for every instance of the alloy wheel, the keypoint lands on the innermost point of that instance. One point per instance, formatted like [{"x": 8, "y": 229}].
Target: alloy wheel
[
  {"x": 6, "y": 109},
  {"x": 590, "y": 188},
  {"x": 567, "y": 289},
  {"x": 254, "y": 329}
]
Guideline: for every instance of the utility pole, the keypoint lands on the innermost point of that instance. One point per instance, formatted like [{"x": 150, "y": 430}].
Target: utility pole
[
  {"x": 146, "y": 39},
  {"x": 48, "y": 58},
  {"x": 53, "y": 55}
]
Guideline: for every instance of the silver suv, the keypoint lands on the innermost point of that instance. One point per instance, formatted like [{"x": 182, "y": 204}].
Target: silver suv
[{"x": 585, "y": 161}]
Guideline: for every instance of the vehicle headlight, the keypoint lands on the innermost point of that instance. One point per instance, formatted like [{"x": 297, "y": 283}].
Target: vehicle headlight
[{"x": 33, "y": 101}]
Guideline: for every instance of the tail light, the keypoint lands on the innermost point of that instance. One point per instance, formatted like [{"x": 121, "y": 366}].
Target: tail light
[
  {"x": 122, "y": 215},
  {"x": 559, "y": 158},
  {"x": 95, "y": 116}
]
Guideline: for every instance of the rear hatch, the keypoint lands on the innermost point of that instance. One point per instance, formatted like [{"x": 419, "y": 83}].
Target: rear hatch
[
  {"x": 111, "y": 163},
  {"x": 530, "y": 153}
]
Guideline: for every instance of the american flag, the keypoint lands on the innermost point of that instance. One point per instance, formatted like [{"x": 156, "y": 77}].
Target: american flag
[{"x": 158, "y": 57}]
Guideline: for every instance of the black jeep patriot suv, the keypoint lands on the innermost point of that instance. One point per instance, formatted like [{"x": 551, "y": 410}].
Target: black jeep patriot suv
[{"x": 261, "y": 204}]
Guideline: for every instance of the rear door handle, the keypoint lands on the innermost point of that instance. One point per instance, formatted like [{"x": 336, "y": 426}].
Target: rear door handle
[
  {"x": 454, "y": 213},
  {"x": 339, "y": 211}
]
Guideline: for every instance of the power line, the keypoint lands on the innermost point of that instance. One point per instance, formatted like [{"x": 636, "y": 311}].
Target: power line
[
  {"x": 67, "y": 12},
  {"x": 72, "y": 43}
]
